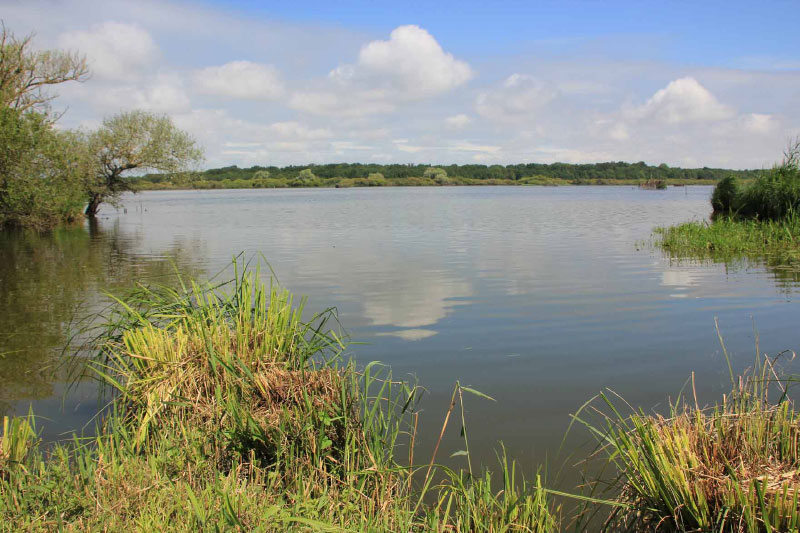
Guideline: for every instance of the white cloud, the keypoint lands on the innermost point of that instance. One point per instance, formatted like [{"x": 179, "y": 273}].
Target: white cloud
[
  {"x": 114, "y": 50},
  {"x": 410, "y": 66},
  {"x": 413, "y": 62},
  {"x": 759, "y": 123},
  {"x": 517, "y": 99},
  {"x": 241, "y": 79},
  {"x": 159, "y": 94},
  {"x": 471, "y": 147},
  {"x": 457, "y": 122},
  {"x": 683, "y": 100},
  {"x": 560, "y": 105}
]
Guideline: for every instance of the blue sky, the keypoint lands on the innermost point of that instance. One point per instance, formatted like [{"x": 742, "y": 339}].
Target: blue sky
[
  {"x": 705, "y": 33},
  {"x": 686, "y": 83}
]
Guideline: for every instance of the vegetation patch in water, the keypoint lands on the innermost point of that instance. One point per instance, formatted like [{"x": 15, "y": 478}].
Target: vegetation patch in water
[
  {"x": 734, "y": 467},
  {"x": 231, "y": 411},
  {"x": 726, "y": 238},
  {"x": 760, "y": 221}
]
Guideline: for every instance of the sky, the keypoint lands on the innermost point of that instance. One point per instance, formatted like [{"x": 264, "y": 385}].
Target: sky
[{"x": 689, "y": 84}]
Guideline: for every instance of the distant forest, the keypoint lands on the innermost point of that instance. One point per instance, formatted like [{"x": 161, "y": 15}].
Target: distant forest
[{"x": 371, "y": 175}]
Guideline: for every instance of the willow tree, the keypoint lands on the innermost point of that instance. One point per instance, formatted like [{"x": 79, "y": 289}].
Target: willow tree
[
  {"x": 26, "y": 74},
  {"x": 42, "y": 169},
  {"x": 136, "y": 141}
]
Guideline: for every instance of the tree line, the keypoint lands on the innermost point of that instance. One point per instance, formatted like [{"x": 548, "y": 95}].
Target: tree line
[
  {"x": 370, "y": 175},
  {"x": 50, "y": 175}
]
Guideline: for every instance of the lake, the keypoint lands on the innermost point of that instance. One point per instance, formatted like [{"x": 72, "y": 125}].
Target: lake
[{"x": 540, "y": 297}]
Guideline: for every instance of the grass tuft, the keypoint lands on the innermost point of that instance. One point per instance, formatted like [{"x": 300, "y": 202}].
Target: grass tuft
[
  {"x": 734, "y": 467},
  {"x": 230, "y": 411}
]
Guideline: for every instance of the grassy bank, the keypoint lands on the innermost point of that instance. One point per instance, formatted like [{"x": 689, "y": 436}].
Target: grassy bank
[
  {"x": 726, "y": 238},
  {"x": 230, "y": 411},
  {"x": 758, "y": 220}
]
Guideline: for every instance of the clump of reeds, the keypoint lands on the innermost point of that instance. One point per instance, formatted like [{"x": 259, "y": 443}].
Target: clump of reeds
[
  {"x": 734, "y": 467},
  {"x": 773, "y": 195},
  {"x": 776, "y": 242},
  {"x": 758, "y": 221},
  {"x": 16, "y": 442},
  {"x": 231, "y": 411}
]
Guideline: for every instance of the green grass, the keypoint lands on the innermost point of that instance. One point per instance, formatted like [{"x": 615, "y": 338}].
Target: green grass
[
  {"x": 733, "y": 467},
  {"x": 726, "y": 238},
  {"x": 230, "y": 411}
]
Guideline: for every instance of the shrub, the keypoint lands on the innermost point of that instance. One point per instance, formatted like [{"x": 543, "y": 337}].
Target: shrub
[
  {"x": 774, "y": 194},
  {"x": 725, "y": 194}
]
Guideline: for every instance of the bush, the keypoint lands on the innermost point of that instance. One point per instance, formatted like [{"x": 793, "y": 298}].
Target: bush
[
  {"x": 725, "y": 194},
  {"x": 774, "y": 195},
  {"x": 42, "y": 171}
]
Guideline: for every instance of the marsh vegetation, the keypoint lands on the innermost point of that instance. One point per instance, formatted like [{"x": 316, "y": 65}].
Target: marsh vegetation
[
  {"x": 230, "y": 409},
  {"x": 760, "y": 220}
]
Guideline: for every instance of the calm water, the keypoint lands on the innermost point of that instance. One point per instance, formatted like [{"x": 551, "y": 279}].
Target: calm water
[{"x": 539, "y": 297}]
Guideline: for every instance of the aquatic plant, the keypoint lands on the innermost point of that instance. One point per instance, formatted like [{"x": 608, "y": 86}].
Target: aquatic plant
[
  {"x": 773, "y": 195},
  {"x": 733, "y": 467},
  {"x": 229, "y": 410}
]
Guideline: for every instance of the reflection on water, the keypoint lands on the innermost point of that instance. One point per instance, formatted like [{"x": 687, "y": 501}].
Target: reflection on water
[
  {"x": 48, "y": 283},
  {"x": 538, "y": 297}
]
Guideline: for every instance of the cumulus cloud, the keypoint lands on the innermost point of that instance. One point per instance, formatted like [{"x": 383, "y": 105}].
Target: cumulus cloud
[
  {"x": 404, "y": 86},
  {"x": 241, "y": 79},
  {"x": 518, "y": 98},
  {"x": 413, "y": 63},
  {"x": 114, "y": 50},
  {"x": 683, "y": 100},
  {"x": 410, "y": 66}
]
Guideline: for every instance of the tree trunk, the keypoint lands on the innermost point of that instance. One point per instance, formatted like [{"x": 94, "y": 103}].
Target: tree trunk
[{"x": 94, "y": 206}]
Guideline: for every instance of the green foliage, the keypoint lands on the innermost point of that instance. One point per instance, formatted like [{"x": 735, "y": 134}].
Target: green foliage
[
  {"x": 367, "y": 175},
  {"x": 231, "y": 411},
  {"x": 724, "y": 197},
  {"x": 26, "y": 74},
  {"x": 42, "y": 171},
  {"x": 729, "y": 468},
  {"x": 773, "y": 195},
  {"x": 729, "y": 238},
  {"x": 16, "y": 443},
  {"x": 136, "y": 140}
]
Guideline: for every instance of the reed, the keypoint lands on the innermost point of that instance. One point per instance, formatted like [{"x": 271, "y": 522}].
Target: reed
[
  {"x": 733, "y": 467},
  {"x": 229, "y": 410},
  {"x": 775, "y": 241}
]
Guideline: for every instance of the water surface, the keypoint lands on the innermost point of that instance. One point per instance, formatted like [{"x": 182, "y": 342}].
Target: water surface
[{"x": 540, "y": 297}]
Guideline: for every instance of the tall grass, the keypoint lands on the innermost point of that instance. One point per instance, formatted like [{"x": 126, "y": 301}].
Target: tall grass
[
  {"x": 773, "y": 195},
  {"x": 229, "y": 410},
  {"x": 727, "y": 238},
  {"x": 733, "y": 467}
]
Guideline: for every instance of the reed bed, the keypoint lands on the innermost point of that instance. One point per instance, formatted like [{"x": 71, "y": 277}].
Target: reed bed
[
  {"x": 230, "y": 411},
  {"x": 727, "y": 238},
  {"x": 733, "y": 467}
]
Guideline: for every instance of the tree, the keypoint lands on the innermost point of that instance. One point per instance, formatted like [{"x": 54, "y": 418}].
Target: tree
[
  {"x": 42, "y": 171},
  {"x": 25, "y": 74},
  {"x": 306, "y": 175},
  {"x": 135, "y": 141},
  {"x": 439, "y": 175}
]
